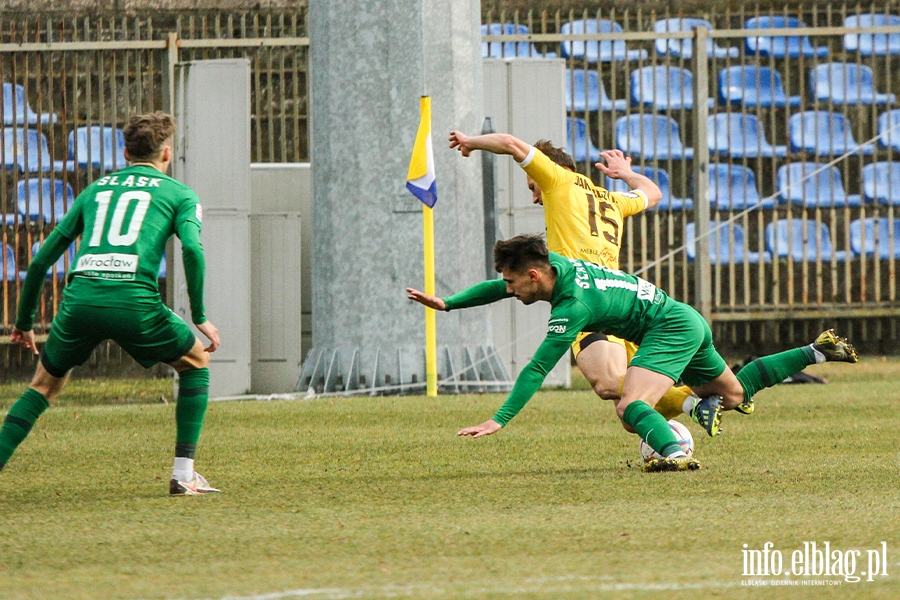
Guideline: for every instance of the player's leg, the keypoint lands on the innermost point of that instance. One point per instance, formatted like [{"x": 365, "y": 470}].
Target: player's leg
[
  {"x": 25, "y": 411},
  {"x": 159, "y": 335},
  {"x": 665, "y": 351},
  {"x": 769, "y": 370},
  {"x": 70, "y": 343},
  {"x": 190, "y": 411},
  {"x": 640, "y": 392},
  {"x": 603, "y": 361}
]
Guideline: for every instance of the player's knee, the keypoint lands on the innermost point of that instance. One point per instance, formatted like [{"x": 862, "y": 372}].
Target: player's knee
[{"x": 607, "y": 390}]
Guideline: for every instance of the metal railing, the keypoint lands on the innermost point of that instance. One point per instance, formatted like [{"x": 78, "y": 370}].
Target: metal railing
[
  {"x": 714, "y": 240},
  {"x": 69, "y": 86}
]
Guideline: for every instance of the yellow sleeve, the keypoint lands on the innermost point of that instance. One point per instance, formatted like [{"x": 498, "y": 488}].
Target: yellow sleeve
[
  {"x": 630, "y": 203},
  {"x": 546, "y": 173}
]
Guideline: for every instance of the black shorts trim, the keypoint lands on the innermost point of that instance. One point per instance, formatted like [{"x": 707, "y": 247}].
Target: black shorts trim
[
  {"x": 591, "y": 338},
  {"x": 51, "y": 368}
]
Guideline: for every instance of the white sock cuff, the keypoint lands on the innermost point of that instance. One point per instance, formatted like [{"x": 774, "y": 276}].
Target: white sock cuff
[
  {"x": 183, "y": 469},
  {"x": 820, "y": 358}
]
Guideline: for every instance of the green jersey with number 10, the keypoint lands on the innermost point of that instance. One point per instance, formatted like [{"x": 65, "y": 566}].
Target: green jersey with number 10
[{"x": 125, "y": 220}]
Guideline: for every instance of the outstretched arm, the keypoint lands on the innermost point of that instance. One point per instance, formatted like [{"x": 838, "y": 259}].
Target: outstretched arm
[
  {"x": 479, "y": 294},
  {"x": 498, "y": 143},
  {"x": 423, "y": 298},
  {"x": 618, "y": 166}
]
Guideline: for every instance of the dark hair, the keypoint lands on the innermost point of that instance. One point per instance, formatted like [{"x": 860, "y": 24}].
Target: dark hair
[
  {"x": 145, "y": 135},
  {"x": 557, "y": 155},
  {"x": 521, "y": 253}
]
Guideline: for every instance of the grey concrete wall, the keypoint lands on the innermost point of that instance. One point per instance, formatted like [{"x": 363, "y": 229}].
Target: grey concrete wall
[{"x": 369, "y": 67}]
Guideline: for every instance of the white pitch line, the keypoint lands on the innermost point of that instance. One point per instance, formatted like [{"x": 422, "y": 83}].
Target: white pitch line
[{"x": 560, "y": 584}]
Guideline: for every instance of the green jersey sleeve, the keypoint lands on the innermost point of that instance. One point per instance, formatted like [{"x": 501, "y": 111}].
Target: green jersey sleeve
[
  {"x": 52, "y": 248},
  {"x": 566, "y": 320},
  {"x": 479, "y": 294}
]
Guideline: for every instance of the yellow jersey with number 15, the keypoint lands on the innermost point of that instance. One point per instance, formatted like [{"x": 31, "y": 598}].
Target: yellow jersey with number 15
[{"x": 583, "y": 221}]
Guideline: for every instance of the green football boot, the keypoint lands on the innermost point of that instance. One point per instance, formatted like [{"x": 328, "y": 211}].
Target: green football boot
[
  {"x": 835, "y": 348},
  {"x": 660, "y": 465},
  {"x": 707, "y": 412},
  {"x": 746, "y": 407}
]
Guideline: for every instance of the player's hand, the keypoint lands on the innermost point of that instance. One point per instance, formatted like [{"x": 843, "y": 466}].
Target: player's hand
[
  {"x": 617, "y": 164},
  {"x": 460, "y": 141},
  {"x": 429, "y": 301},
  {"x": 211, "y": 333},
  {"x": 487, "y": 428},
  {"x": 24, "y": 339}
]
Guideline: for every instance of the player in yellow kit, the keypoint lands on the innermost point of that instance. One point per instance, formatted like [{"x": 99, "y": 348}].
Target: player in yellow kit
[{"x": 584, "y": 222}]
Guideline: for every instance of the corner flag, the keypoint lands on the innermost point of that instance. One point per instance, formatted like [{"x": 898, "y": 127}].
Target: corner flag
[{"x": 420, "y": 179}]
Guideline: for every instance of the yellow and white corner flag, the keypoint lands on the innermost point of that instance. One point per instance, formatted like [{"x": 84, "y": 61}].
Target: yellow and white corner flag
[{"x": 420, "y": 180}]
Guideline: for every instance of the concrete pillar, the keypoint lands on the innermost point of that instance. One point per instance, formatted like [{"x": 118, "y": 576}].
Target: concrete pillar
[{"x": 370, "y": 62}]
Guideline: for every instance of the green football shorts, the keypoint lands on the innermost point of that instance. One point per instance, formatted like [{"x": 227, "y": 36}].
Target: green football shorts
[
  {"x": 679, "y": 345},
  {"x": 150, "y": 336}
]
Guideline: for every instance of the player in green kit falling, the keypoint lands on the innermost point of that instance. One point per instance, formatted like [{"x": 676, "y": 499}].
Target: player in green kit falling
[
  {"x": 674, "y": 342},
  {"x": 124, "y": 221}
]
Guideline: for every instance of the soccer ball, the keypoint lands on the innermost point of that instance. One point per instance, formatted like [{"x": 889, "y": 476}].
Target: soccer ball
[{"x": 683, "y": 435}]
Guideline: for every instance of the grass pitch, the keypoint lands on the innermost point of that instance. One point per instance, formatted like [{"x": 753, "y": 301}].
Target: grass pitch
[{"x": 377, "y": 498}]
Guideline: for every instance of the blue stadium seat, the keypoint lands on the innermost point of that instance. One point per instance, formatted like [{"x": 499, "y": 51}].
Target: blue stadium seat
[
  {"x": 721, "y": 250},
  {"x": 881, "y": 183},
  {"x": 9, "y": 262},
  {"x": 889, "y": 129},
  {"x": 579, "y": 143},
  {"x": 783, "y": 243},
  {"x": 863, "y": 234},
  {"x": 26, "y": 149},
  {"x": 751, "y": 86},
  {"x": 823, "y": 133},
  {"x": 663, "y": 88},
  {"x": 868, "y": 44},
  {"x": 99, "y": 147},
  {"x": 60, "y": 267},
  {"x": 740, "y": 135},
  {"x": 780, "y": 46},
  {"x": 845, "y": 83},
  {"x": 55, "y": 196},
  {"x": 591, "y": 98},
  {"x": 595, "y": 50},
  {"x": 509, "y": 49},
  {"x": 162, "y": 267},
  {"x": 733, "y": 187},
  {"x": 651, "y": 136},
  {"x": 17, "y": 111},
  {"x": 684, "y": 48},
  {"x": 661, "y": 178},
  {"x": 824, "y": 189}
]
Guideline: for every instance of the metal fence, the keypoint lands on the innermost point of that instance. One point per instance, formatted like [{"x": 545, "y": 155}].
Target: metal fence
[
  {"x": 69, "y": 85},
  {"x": 780, "y": 196}
]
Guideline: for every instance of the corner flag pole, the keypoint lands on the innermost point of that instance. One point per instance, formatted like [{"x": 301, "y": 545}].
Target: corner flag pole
[
  {"x": 430, "y": 322},
  {"x": 421, "y": 182}
]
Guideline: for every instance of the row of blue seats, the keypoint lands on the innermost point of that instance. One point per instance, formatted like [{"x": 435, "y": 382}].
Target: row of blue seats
[
  {"x": 42, "y": 200},
  {"x": 801, "y": 240},
  {"x": 96, "y": 146},
  {"x": 749, "y": 86},
  {"x": 805, "y": 184},
  {"x": 866, "y": 44},
  {"x": 59, "y": 269},
  {"x": 651, "y": 136}
]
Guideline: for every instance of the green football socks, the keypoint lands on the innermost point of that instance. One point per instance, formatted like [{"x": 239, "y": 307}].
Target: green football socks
[
  {"x": 652, "y": 427},
  {"x": 769, "y": 370},
  {"x": 19, "y": 421},
  {"x": 193, "y": 397}
]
